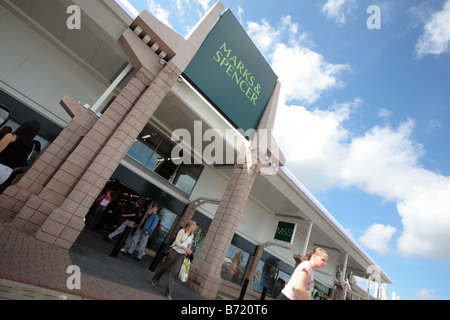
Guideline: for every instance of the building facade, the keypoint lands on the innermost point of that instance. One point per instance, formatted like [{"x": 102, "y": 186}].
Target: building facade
[{"x": 125, "y": 104}]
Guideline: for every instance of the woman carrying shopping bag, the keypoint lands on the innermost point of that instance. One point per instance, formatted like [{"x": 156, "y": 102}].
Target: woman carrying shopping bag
[{"x": 179, "y": 249}]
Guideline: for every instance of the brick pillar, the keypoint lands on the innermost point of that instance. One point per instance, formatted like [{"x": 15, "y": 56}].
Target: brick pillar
[
  {"x": 181, "y": 222},
  {"x": 82, "y": 147},
  {"x": 48, "y": 163},
  {"x": 122, "y": 127},
  {"x": 187, "y": 215},
  {"x": 338, "y": 293},
  {"x": 205, "y": 272},
  {"x": 56, "y": 195},
  {"x": 253, "y": 265}
]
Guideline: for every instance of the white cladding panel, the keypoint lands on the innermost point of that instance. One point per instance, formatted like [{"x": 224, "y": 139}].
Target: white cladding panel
[{"x": 40, "y": 72}]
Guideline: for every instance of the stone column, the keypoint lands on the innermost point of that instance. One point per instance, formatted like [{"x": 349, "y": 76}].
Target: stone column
[
  {"x": 13, "y": 199},
  {"x": 65, "y": 222},
  {"x": 253, "y": 265},
  {"x": 205, "y": 272},
  {"x": 56, "y": 209},
  {"x": 181, "y": 222},
  {"x": 81, "y": 148}
]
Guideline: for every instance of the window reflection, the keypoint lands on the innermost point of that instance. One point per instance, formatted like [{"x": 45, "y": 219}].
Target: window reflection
[
  {"x": 166, "y": 221},
  {"x": 140, "y": 152},
  {"x": 197, "y": 241},
  {"x": 187, "y": 176},
  {"x": 153, "y": 150},
  {"x": 235, "y": 265},
  {"x": 270, "y": 277}
]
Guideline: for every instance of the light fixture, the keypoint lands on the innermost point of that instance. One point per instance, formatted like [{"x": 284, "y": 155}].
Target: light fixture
[
  {"x": 146, "y": 39},
  {"x": 162, "y": 62},
  {"x": 155, "y": 47},
  {"x": 180, "y": 80},
  {"x": 138, "y": 30}
]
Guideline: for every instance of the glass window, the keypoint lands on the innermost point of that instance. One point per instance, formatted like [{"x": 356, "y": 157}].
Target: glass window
[
  {"x": 235, "y": 265},
  {"x": 187, "y": 176},
  {"x": 280, "y": 283},
  {"x": 270, "y": 277},
  {"x": 153, "y": 150},
  {"x": 140, "y": 152},
  {"x": 260, "y": 278},
  {"x": 197, "y": 241},
  {"x": 153, "y": 161},
  {"x": 166, "y": 221}
]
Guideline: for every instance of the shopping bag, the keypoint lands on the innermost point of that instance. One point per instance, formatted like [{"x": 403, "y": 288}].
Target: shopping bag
[{"x": 184, "y": 270}]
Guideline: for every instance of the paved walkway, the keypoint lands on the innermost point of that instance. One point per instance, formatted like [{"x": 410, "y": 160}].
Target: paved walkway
[{"x": 33, "y": 270}]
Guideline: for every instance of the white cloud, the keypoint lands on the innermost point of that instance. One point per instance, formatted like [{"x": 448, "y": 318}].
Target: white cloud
[
  {"x": 426, "y": 218},
  {"x": 436, "y": 36},
  {"x": 263, "y": 34},
  {"x": 385, "y": 114},
  {"x": 425, "y": 294},
  {"x": 339, "y": 9},
  {"x": 323, "y": 153},
  {"x": 204, "y": 4},
  {"x": 306, "y": 75},
  {"x": 384, "y": 162},
  {"x": 314, "y": 142},
  {"x": 240, "y": 14},
  {"x": 377, "y": 238},
  {"x": 180, "y": 7},
  {"x": 159, "y": 12}
]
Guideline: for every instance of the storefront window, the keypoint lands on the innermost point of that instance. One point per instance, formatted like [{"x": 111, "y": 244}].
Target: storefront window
[
  {"x": 153, "y": 151},
  {"x": 166, "y": 221},
  {"x": 269, "y": 277},
  {"x": 280, "y": 283},
  {"x": 197, "y": 241},
  {"x": 235, "y": 265},
  {"x": 187, "y": 176},
  {"x": 140, "y": 152}
]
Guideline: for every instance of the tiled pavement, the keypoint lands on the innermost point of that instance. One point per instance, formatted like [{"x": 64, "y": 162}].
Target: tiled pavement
[{"x": 31, "y": 269}]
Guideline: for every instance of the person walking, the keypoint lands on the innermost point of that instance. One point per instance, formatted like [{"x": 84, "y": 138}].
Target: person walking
[
  {"x": 103, "y": 202},
  {"x": 131, "y": 218},
  {"x": 145, "y": 230},
  {"x": 301, "y": 284},
  {"x": 16, "y": 147},
  {"x": 179, "y": 249}
]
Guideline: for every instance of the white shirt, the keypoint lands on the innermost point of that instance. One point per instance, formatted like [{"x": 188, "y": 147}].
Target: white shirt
[
  {"x": 182, "y": 240},
  {"x": 304, "y": 266},
  {"x": 185, "y": 244}
]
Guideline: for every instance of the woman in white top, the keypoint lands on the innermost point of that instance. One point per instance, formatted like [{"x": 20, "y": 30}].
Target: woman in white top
[
  {"x": 179, "y": 249},
  {"x": 301, "y": 284}
]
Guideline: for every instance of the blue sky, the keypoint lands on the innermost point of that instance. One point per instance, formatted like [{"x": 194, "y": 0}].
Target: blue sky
[{"x": 363, "y": 119}]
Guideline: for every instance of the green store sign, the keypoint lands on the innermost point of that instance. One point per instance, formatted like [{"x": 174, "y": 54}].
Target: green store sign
[
  {"x": 285, "y": 232},
  {"x": 232, "y": 74}
]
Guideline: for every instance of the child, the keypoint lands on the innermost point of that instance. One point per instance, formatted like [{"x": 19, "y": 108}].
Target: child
[{"x": 301, "y": 284}]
